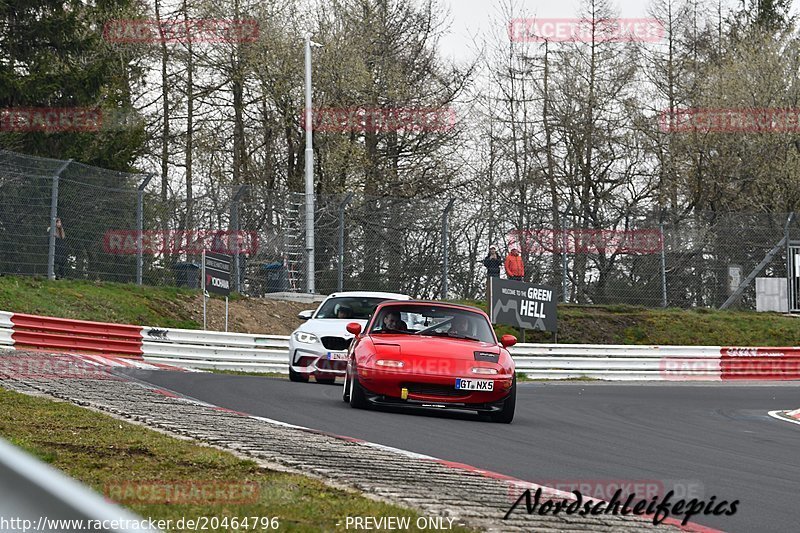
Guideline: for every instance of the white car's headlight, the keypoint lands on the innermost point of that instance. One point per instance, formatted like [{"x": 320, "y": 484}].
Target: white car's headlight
[{"x": 305, "y": 338}]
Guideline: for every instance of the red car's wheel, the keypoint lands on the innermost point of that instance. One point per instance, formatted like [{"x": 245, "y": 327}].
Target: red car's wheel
[
  {"x": 346, "y": 387},
  {"x": 506, "y": 414},
  {"x": 358, "y": 400}
]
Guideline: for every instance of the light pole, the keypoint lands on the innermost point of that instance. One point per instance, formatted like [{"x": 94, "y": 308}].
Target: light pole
[{"x": 309, "y": 174}]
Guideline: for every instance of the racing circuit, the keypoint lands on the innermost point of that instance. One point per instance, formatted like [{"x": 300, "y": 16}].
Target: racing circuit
[
  {"x": 701, "y": 439},
  {"x": 705, "y": 439}
]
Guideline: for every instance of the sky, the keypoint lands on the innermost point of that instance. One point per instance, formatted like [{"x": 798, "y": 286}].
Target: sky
[{"x": 472, "y": 17}]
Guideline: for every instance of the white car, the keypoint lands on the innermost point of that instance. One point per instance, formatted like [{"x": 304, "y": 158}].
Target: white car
[{"x": 319, "y": 347}]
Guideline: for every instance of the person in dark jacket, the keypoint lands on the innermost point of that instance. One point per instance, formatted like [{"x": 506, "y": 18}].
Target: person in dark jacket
[
  {"x": 492, "y": 264},
  {"x": 60, "y": 259}
]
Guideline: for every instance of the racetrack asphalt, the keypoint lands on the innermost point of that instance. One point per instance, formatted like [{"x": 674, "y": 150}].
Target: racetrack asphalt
[{"x": 707, "y": 440}]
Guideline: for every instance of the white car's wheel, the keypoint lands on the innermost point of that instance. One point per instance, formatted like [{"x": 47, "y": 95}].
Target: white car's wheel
[{"x": 297, "y": 377}]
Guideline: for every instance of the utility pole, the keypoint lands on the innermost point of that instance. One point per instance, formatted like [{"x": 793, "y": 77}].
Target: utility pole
[{"x": 310, "y": 286}]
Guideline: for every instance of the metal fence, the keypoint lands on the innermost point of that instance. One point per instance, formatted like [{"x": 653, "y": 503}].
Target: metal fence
[{"x": 124, "y": 227}]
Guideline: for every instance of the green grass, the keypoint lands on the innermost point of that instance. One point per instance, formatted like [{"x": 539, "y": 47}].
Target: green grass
[
  {"x": 100, "y": 301},
  {"x": 105, "y": 453}
]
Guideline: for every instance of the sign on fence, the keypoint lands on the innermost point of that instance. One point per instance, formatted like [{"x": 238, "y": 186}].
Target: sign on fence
[
  {"x": 217, "y": 273},
  {"x": 523, "y": 305}
]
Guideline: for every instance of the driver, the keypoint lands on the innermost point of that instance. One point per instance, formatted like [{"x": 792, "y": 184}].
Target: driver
[
  {"x": 460, "y": 326},
  {"x": 392, "y": 321},
  {"x": 344, "y": 312}
]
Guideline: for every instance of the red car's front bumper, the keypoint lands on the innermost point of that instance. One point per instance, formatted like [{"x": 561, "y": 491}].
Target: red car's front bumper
[{"x": 383, "y": 386}]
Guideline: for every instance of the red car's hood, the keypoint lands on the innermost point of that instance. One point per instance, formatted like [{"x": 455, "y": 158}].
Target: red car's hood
[{"x": 425, "y": 346}]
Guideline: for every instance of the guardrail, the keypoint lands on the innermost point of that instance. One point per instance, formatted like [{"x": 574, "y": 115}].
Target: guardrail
[
  {"x": 32, "y": 332},
  {"x": 618, "y": 362},
  {"x": 218, "y": 350},
  {"x": 6, "y": 329},
  {"x": 269, "y": 353},
  {"x": 41, "y": 498}
]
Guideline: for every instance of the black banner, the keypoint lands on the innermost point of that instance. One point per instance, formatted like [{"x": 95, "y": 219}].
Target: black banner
[
  {"x": 523, "y": 305},
  {"x": 218, "y": 273}
]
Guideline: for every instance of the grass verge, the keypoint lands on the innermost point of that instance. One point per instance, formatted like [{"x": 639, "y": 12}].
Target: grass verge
[
  {"x": 170, "y": 307},
  {"x": 107, "y": 454},
  {"x": 99, "y": 301}
]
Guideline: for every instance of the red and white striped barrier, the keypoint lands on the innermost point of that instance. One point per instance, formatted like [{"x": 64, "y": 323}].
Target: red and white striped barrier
[
  {"x": 32, "y": 332},
  {"x": 760, "y": 363},
  {"x": 127, "y": 345},
  {"x": 95, "y": 343}
]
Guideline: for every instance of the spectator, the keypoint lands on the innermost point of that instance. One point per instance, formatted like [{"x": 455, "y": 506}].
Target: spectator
[
  {"x": 492, "y": 263},
  {"x": 515, "y": 268},
  {"x": 60, "y": 259}
]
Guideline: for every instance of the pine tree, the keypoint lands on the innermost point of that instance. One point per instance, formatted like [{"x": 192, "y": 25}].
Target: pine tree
[{"x": 55, "y": 55}]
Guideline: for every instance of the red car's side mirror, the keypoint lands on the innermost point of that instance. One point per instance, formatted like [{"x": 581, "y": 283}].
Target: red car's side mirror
[
  {"x": 355, "y": 328},
  {"x": 508, "y": 340}
]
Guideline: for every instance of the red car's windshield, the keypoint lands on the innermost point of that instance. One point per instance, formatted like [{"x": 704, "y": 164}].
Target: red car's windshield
[{"x": 433, "y": 320}]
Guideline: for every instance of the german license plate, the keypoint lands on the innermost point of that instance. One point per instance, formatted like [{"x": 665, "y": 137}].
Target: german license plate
[
  {"x": 337, "y": 356},
  {"x": 475, "y": 384}
]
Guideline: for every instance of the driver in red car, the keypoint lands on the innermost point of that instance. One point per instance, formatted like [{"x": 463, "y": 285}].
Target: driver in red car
[
  {"x": 393, "y": 322},
  {"x": 460, "y": 326}
]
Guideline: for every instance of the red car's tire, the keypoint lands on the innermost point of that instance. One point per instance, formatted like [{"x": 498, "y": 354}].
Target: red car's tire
[
  {"x": 358, "y": 400},
  {"x": 297, "y": 377},
  {"x": 346, "y": 387},
  {"x": 506, "y": 414}
]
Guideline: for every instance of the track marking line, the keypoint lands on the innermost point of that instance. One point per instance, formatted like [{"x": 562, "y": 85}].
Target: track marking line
[{"x": 779, "y": 415}]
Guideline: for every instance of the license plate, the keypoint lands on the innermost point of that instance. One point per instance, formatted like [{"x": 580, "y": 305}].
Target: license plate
[
  {"x": 475, "y": 384},
  {"x": 337, "y": 356}
]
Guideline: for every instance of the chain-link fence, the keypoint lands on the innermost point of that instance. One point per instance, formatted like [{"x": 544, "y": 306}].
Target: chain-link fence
[{"x": 125, "y": 227}]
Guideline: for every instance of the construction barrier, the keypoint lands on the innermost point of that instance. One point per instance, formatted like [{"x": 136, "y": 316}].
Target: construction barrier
[{"x": 269, "y": 353}]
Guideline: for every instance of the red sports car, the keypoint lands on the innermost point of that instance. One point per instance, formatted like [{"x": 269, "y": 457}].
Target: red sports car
[{"x": 431, "y": 355}]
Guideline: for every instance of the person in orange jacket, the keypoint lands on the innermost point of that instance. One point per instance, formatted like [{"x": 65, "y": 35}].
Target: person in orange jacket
[{"x": 515, "y": 268}]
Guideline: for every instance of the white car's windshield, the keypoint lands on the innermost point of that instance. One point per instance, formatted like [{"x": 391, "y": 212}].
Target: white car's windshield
[
  {"x": 349, "y": 307},
  {"x": 433, "y": 320}
]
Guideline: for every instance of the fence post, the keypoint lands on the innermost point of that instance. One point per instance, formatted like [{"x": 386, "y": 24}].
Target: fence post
[
  {"x": 340, "y": 286},
  {"x": 140, "y": 226},
  {"x": 445, "y": 228},
  {"x": 234, "y": 230},
  {"x": 564, "y": 263},
  {"x": 663, "y": 266},
  {"x": 789, "y": 263},
  {"x": 51, "y": 248}
]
